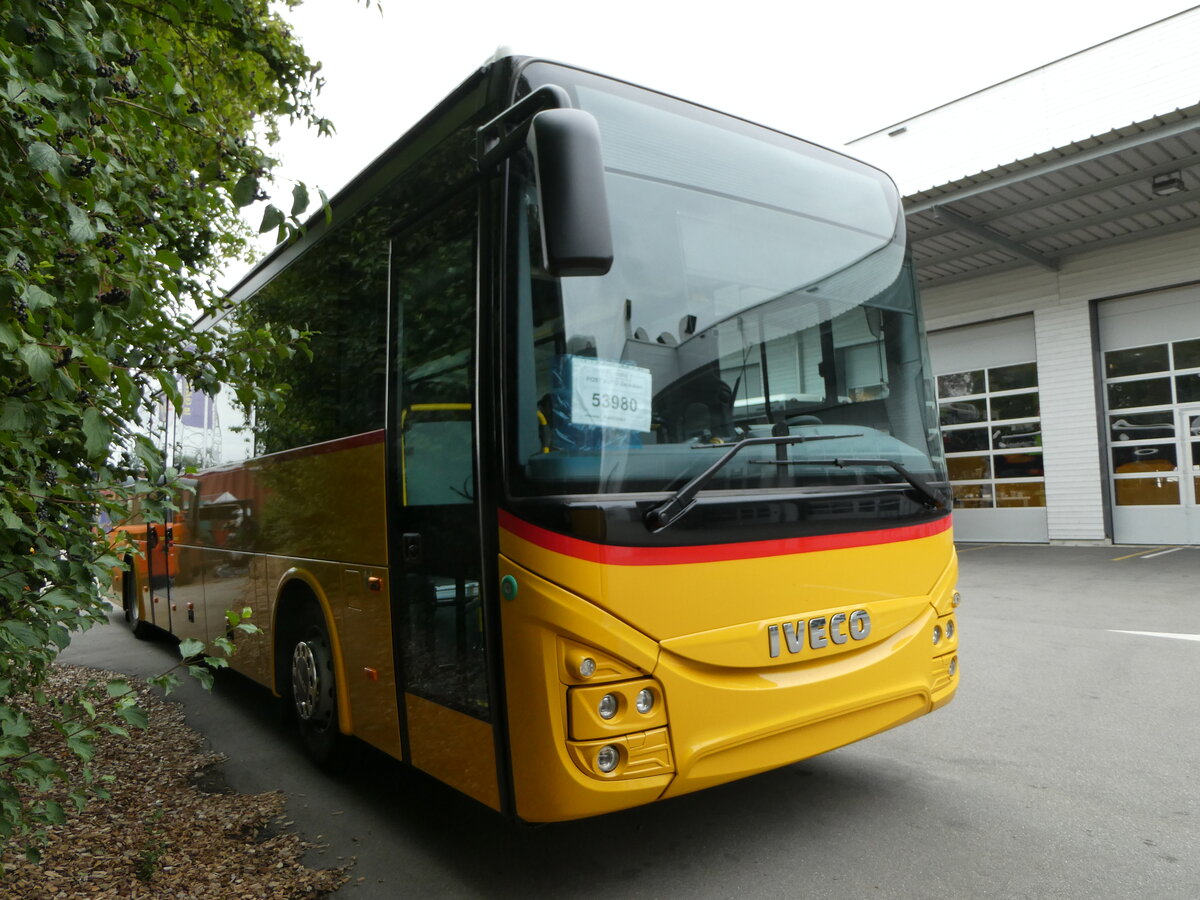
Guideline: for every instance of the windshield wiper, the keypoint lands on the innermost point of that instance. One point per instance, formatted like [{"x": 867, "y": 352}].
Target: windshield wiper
[
  {"x": 670, "y": 510},
  {"x": 933, "y": 500}
]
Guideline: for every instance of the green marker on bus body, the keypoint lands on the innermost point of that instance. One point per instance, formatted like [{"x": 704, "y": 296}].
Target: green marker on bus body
[{"x": 508, "y": 587}]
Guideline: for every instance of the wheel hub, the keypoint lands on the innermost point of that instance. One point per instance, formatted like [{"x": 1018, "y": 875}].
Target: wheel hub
[{"x": 306, "y": 680}]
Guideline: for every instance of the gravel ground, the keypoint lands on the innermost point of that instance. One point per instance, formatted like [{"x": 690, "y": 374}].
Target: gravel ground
[{"x": 172, "y": 828}]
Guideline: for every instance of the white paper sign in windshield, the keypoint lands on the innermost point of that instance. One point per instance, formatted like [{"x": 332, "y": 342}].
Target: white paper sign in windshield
[{"x": 610, "y": 394}]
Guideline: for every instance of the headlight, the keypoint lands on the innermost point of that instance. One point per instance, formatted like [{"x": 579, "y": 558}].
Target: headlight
[
  {"x": 608, "y": 706},
  {"x": 607, "y": 758},
  {"x": 937, "y": 634},
  {"x": 587, "y": 667},
  {"x": 645, "y": 701}
]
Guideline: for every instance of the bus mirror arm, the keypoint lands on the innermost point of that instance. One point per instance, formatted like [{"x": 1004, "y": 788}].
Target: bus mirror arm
[
  {"x": 496, "y": 144},
  {"x": 569, "y": 170}
]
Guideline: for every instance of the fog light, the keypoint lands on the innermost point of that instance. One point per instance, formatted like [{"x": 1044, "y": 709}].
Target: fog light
[
  {"x": 937, "y": 634},
  {"x": 587, "y": 667},
  {"x": 607, "y": 758},
  {"x": 953, "y": 666},
  {"x": 645, "y": 701},
  {"x": 608, "y": 707},
  {"x": 956, "y": 599},
  {"x": 949, "y": 629}
]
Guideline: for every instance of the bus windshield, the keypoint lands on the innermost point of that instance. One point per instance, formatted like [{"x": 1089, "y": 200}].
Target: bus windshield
[{"x": 759, "y": 288}]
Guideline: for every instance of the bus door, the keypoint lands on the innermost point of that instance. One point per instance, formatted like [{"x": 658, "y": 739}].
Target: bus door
[{"x": 434, "y": 529}]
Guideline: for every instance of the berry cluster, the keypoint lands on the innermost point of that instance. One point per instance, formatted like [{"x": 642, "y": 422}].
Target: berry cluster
[
  {"x": 114, "y": 297},
  {"x": 20, "y": 310},
  {"x": 82, "y": 168}
]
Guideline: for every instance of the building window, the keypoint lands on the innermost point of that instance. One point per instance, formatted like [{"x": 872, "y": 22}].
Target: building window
[
  {"x": 1154, "y": 441},
  {"x": 991, "y": 429}
]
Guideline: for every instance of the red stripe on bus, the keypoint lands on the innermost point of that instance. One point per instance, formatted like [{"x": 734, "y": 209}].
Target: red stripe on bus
[{"x": 666, "y": 556}]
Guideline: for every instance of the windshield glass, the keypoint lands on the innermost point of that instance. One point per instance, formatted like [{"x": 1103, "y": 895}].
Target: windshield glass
[{"x": 759, "y": 288}]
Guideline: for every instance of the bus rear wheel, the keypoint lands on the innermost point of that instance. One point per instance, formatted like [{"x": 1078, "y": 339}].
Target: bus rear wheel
[{"x": 314, "y": 690}]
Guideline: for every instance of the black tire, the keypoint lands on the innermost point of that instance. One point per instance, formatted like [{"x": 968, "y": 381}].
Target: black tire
[
  {"x": 312, "y": 689},
  {"x": 142, "y": 630}
]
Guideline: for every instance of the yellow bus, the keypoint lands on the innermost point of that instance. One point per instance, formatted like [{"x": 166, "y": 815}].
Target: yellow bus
[{"x": 615, "y": 473}]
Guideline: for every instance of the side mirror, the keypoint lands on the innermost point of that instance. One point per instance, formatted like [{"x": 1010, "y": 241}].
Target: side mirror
[{"x": 576, "y": 234}]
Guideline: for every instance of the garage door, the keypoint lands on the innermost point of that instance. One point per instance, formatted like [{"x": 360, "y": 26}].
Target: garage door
[
  {"x": 1151, "y": 351},
  {"x": 990, "y": 413}
]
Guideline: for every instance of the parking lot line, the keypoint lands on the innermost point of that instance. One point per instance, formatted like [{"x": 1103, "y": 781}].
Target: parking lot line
[
  {"x": 1162, "y": 553},
  {"x": 1148, "y": 550}
]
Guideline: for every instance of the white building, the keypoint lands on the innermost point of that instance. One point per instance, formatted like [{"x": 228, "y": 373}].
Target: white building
[{"x": 1055, "y": 226}]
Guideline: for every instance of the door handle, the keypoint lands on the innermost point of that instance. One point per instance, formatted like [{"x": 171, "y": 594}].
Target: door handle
[{"x": 410, "y": 548}]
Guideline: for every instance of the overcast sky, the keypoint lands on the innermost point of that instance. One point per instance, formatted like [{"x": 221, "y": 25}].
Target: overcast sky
[{"x": 826, "y": 71}]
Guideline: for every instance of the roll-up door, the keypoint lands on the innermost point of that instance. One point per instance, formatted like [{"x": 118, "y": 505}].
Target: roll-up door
[
  {"x": 1151, "y": 355},
  {"x": 990, "y": 414}
]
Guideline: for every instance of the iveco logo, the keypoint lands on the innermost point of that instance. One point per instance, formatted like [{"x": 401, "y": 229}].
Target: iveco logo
[{"x": 837, "y": 629}]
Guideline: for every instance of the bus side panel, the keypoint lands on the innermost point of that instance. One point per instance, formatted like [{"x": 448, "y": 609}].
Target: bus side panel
[
  {"x": 453, "y": 747},
  {"x": 314, "y": 516}
]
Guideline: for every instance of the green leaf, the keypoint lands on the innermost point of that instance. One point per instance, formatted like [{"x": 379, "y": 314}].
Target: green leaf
[
  {"x": 22, "y": 633},
  {"x": 299, "y": 199},
  {"x": 53, "y": 812},
  {"x": 81, "y": 745},
  {"x": 81, "y": 228},
  {"x": 36, "y": 298},
  {"x": 167, "y": 258},
  {"x": 272, "y": 218},
  {"x": 190, "y": 647},
  {"x": 12, "y": 415},
  {"x": 8, "y": 337},
  {"x": 135, "y": 716},
  {"x": 118, "y": 688},
  {"x": 43, "y": 157},
  {"x": 37, "y": 360},
  {"x": 97, "y": 432},
  {"x": 11, "y": 745},
  {"x": 202, "y": 675},
  {"x": 244, "y": 190}
]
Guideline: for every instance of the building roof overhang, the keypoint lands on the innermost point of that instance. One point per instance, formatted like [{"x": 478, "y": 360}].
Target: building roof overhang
[{"x": 1134, "y": 182}]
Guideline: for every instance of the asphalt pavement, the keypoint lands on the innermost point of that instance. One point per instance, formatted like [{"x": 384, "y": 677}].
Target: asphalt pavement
[{"x": 1067, "y": 766}]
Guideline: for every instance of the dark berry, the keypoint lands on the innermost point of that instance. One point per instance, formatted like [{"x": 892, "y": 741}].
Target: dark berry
[
  {"x": 129, "y": 59},
  {"x": 104, "y": 70},
  {"x": 21, "y": 264},
  {"x": 83, "y": 167},
  {"x": 114, "y": 297}
]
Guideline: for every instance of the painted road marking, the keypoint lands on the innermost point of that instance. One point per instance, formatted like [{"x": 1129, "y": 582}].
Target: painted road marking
[
  {"x": 1162, "y": 634},
  {"x": 1162, "y": 553},
  {"x": 1140, "y": 553}
]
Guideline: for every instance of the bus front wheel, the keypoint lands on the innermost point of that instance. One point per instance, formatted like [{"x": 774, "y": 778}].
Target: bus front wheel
[
  {"x": 314, "y": 689},
  {"x": 140, "y": 627}
]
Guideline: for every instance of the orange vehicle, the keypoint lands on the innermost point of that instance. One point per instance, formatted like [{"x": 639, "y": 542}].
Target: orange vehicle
[{"x": 615, "y": 473}]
